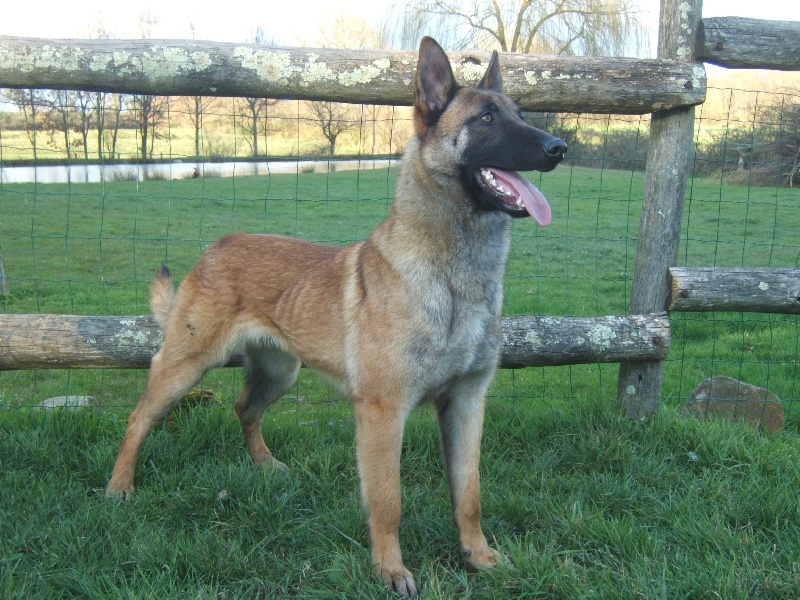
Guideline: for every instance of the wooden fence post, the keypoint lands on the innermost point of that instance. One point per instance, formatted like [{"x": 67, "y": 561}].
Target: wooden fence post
[
  {"x": 4, "y": 291},
  {"x": 668, "y": 156}
]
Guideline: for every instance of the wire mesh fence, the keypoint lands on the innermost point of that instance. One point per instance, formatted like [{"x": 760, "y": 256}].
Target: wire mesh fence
[{"x": 97, "y": 190}]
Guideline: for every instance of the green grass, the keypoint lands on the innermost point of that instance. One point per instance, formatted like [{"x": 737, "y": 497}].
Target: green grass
[
  {"x": 93, "y": 248},
  {"x": 586, "y": 503}
]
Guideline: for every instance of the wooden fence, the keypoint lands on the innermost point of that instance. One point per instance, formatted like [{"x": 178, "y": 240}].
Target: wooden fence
[{"x": 668, "y": 87}]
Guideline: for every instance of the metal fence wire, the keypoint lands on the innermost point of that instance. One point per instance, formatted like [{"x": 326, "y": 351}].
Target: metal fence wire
[{"x": 97, "y": 190}]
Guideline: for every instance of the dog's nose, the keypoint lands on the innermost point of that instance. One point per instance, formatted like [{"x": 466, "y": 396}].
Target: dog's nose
[{"x": 555, "y": 147}]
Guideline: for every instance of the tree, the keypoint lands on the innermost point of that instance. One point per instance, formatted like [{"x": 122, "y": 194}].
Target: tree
[
  {"x": 252, "y": 114},
  {"x": 774, "y": 152},
  {"x": 333, "y": 119},
  {"x": 86, "y": 112},
  {"x": 118, "y": 102},
  {"x": 349, "y": 33},
  {"x": 29, "y": 103},
  {"x": 99, "y": 99},
  {"x": 196, "y": 106},
  {"x": 57, "y": 117},
  {"x": 250, "y": 109},
  {"x": 150, "y": 112},
  {"x": 573, "y": 27}
]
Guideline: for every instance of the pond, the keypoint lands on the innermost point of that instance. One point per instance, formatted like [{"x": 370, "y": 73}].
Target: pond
[{"x": 179, "y": 170}]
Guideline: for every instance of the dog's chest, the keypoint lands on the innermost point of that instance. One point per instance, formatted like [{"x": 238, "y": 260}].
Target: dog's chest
[{"x": 461, "y": 308}]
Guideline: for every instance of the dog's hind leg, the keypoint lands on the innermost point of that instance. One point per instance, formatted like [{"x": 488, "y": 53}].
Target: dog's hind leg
[
  {"x": 168, "y": 382},
  {"x": 269, "y": 372},
  {"x": 460, "y": 415}
]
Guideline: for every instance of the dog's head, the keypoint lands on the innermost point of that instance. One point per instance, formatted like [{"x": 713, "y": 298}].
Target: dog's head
[{"x": 483, "y": 131}]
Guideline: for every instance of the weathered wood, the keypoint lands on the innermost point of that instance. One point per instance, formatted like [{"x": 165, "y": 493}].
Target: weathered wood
[
  {"x": 701, "y": 289},
  {"x": 178, "y": 67},
  {"x": 79, "y": 342},
  {"x": 736, "y": 42},
  {"x": 668, "y": 155},
  {"x": 550, "y": 341}
]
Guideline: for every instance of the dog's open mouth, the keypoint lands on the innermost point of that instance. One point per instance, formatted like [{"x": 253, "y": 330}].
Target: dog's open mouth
[{"x": 515, "y": 193}]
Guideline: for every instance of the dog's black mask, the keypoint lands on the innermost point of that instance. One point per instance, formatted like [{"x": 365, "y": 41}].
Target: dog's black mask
[{"x": 500, "y": 143}]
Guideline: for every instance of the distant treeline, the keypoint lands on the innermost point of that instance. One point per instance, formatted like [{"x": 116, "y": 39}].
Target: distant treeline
[
  {"x": 759, "y": 144},
  {"x": 762, "y": 150}
]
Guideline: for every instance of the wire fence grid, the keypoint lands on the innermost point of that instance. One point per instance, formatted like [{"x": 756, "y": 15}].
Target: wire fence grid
[{"x": 96, "y": 192}]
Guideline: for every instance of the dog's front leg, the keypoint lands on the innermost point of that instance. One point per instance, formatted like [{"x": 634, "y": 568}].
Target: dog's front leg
[
  {"x": 379, "y": 440},
  {"x": 460, "y": 416}
]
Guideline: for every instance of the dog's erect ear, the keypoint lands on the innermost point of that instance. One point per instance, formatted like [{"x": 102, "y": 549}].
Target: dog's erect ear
[
  {"x": 492, "y": 79},
  {"x": 435, "y": 84}
]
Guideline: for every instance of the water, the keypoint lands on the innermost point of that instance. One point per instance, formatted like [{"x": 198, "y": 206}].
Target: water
[{"x": 179, "y": 170}]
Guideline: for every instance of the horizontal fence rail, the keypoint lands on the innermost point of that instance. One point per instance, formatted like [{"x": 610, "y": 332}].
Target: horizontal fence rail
[
  {"x": 736, "y": 42},
  {"x": 191, "y": 68},
  {"x": 93, "y": 342},
  {"x": 556, "y": 341},
  {"x": 741, "y": 290},
  {"x": 666, "y": 87}
]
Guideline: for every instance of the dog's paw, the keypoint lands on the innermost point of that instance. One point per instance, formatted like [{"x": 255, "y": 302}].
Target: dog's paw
[
  {"x": 399, "y": 580},
  {"x": 273, "y": 465},
  {"x": 484, "y": 558},
  {"x": 119, "y": 491}
]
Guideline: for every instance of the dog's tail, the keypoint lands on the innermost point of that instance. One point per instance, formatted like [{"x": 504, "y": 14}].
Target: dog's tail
[{"x": 162, "y": 293}]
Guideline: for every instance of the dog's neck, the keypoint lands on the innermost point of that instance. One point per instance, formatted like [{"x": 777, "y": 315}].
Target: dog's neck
[{"x": 433, "y": 220}]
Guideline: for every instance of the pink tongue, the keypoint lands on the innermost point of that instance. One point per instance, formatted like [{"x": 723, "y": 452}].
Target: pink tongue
[{"x": 535, "y": 203}]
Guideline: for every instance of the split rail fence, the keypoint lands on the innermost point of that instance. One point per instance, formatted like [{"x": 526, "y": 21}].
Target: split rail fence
[{"x": 668, "y": 88}]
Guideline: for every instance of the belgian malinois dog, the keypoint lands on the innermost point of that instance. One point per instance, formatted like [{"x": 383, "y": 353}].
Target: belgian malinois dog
[{"x": 410, "y": 315}]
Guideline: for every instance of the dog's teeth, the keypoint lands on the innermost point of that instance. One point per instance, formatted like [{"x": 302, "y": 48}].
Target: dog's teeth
[
  {"x": 489, "y": 178},
  {"x": 520, "y": 203}
]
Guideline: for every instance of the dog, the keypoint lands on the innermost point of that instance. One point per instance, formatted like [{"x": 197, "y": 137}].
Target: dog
[{"x": 410, "y": 315}]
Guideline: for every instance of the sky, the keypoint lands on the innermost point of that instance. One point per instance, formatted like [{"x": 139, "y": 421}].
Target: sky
[{"x": 285, "y": 21}]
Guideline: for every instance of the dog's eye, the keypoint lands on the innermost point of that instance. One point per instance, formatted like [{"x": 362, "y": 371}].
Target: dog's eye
[{"x": 487, "y": 117}]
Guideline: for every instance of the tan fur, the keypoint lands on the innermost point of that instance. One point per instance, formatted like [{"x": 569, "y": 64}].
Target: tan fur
[
  {"x": 410, "y": 315},
  {"x": 161, "y": 295}
]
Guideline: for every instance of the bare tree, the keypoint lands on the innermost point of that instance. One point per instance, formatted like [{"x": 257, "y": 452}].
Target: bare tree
[
  {"x": 574, "y": 27},
  {"x": 150, "y": 112},
  {"x": 29, "y": 103},
  {"x": 196, "y": 107},
  {"x": 252, "y": 119},
  {"x": 85, "y": 111},
  {"x": 252, "y": 111},
  {"x": 349, "y": 33},
  {"x": 333, "y": 119},
  {"x": 148, "y": 20},
  {"x": 99, "y": 99},
  {"x": 57, "y": 117},
  {"x": 113, "y": 113}
]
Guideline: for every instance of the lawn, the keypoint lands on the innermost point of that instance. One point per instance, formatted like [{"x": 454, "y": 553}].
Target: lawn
[
  {"x": 93, "y": 248},
  {"x": 585, "y": 503}
]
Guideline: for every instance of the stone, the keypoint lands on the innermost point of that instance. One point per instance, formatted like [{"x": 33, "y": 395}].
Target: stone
[
  {"x": 69, "y": 402},
  {"x": 725, "y": 397}
]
